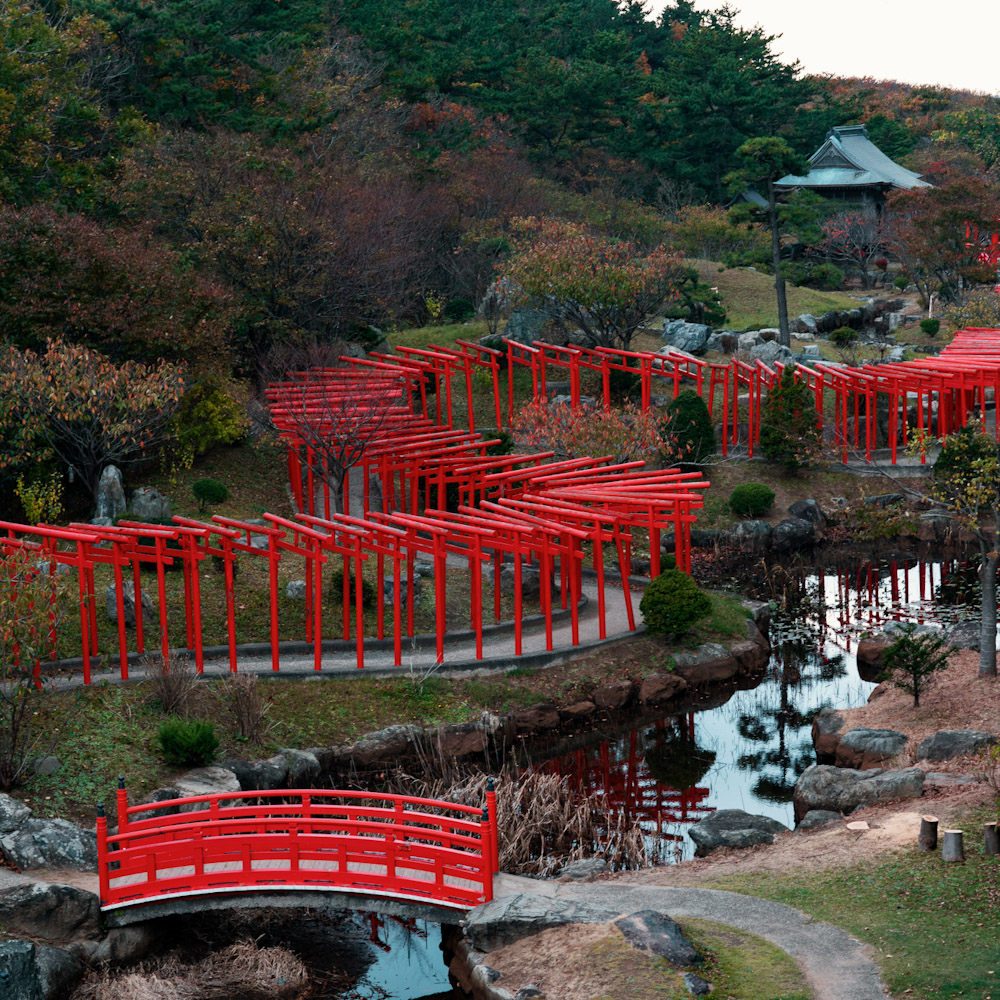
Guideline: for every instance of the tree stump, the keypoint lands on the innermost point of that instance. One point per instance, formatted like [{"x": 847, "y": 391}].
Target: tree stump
[
  {"x": 992, "y": 845},
  {"x": 927, "y": 840},
  {"x": 952, "y": 848}
]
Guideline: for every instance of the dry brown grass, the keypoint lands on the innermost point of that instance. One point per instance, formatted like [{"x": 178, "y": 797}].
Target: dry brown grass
[
  {"x": 543, "y": 823},
  {"x": 248, "y": 708},
  {"x": 956, "y": 698},
  {"x": 173, "y": 681},
  {"x": 243, "y": 969}
]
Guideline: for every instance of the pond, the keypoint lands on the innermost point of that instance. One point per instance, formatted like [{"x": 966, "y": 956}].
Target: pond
[{"x": 748, "y": 752}]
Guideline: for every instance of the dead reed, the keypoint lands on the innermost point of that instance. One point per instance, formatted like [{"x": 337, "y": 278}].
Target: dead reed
[
  {"x": 173, "y": 681},
  {"x": 242, "y": 969},
  {"x": 543, "y": 824},
  {"x": 247, "y": 706}
]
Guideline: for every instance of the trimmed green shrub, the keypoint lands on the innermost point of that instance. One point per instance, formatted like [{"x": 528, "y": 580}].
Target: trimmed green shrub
[
  {"x": 687, "y": 429},
  {"x": 789, "y": 427},
  {"x": 672, "y": 603},
  {"x": 368, "y": 595},
  {"x": 751, "y": 499},
  {"x": 458, "y": 310},
  {"x": 668, "y": 561},
  {"x": 930, "y": 326},
  {"x": 187, "y": 742},
  {"x": 828, "y": 277},
  {"x": 843, "y": 336},
  {"x": 209, "y": 492},
  {"x": 901, "y": 281}
]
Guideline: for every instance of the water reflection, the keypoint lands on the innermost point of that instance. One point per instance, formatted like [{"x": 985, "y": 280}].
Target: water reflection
[{"x": 749, "y": 752}]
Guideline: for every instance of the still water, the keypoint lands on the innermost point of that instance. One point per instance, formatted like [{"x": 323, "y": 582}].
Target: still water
[{"x": 749, "y": 752}]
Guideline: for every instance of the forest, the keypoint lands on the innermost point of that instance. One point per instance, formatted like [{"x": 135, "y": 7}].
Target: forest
[{"x": 189, "y": 186}]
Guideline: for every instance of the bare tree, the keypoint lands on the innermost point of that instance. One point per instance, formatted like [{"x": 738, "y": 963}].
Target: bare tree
[{"x": 336, "y": 415}]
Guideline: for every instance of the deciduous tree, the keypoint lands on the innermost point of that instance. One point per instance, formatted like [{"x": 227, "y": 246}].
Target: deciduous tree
[
  {"x": 89, "y": 411},
  {"x": 119, "y": 291},
  {"x": 940, "y": 234},
  {"x": 606, "y": 289}
]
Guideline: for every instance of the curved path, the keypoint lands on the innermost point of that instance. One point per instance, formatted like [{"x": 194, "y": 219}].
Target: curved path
[
  {"x": 459, "y": 650},
  {"x": 835, "y": 964}
]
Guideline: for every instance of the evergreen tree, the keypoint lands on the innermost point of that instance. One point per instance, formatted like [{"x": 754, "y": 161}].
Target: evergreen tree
[{"x": 789, "y": 426}]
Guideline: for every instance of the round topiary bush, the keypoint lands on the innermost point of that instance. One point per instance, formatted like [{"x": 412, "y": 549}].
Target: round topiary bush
[
  {"x": 930, "y": 326},
  {"x": 672, "y": 603},
  {"x": 187, "y": 742},
  {"x": 209, "y": 492},
  {"x": 751, "y": 499},
  {"x": 901, "y": 281},
  {"x": 687, "y": 429},
  {"x": 843, "y": 336}
]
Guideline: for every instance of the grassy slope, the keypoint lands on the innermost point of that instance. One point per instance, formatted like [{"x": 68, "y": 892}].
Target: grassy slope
[{"x": 750, "y": 300}]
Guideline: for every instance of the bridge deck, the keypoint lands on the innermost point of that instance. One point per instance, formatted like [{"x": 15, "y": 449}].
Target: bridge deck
[{"x": 379, "y": 873}]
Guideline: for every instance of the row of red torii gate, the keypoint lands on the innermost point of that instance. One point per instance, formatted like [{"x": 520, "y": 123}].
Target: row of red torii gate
[{"x": 389, "y": 420}]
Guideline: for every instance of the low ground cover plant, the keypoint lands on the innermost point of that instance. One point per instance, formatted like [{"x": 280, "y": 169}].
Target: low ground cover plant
[{"x": 187, "y": 742}]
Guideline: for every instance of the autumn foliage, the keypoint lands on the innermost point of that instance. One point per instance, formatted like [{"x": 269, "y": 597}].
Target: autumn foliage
[
  {"x": 84, "y": 409},
  {"x": 603, "y": 287},
  {"x": 623, "y": 434}
]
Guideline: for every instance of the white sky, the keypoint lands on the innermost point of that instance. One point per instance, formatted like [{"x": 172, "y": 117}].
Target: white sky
[{"x": 952, "y": 43}]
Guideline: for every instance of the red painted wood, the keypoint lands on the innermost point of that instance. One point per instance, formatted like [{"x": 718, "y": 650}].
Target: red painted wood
[{"x": 428, "y": 850}]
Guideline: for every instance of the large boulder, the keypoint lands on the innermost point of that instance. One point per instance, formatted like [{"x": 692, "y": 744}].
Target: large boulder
[
  {"x": 259, "y": 775},
  {"x": 842, "y": 789},
  {"x": 13, "y": 813},
  {"x": 656, "y": 688},
  {"x": 128, "y": 604},
  {"x": 771, "y": 352},
  {"x": 149, "y": 504},
  {"x": 816, "y": 818},
  {"x": 751, "y": 536},
  {"x": 303, "y": 767},
  {"x": 56, "y": 970},
  {"x": 503, "y": 921},
  {"x": 525, "y": 324},
  {"x": 948, "y": 743},
  {"x": 51, "y": 912},
  {"x": 207, "y": 781},
  {"x": 791, "y": 534},
  {"x": 964, "y": 635},
  {"x": 808, "y": 510},
  {"x": 18, "y": 972},
  {"x": 827, "y": 729},
  {"x": 656, "y": 934},
  {"x": 708, "y": 663},
  {"x": 867, "y": 748},
  {"x": 733, "y": 828},
  {"x": 689, "y": 337},
  {"x": 870, "y": 655},
  {"x": 384, "y": 745},
  {"x": 50, "y": 843}
]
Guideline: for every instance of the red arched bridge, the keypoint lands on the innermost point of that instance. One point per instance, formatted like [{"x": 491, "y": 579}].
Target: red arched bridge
[{"x": 434, "y": 857}]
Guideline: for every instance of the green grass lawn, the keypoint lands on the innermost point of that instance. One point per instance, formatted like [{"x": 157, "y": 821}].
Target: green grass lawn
[
  {"x": 932, "y": 925},
  {"x": 751, "y": 302}
]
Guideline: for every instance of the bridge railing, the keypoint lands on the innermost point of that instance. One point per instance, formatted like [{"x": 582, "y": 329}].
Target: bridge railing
[{"x": 423, "y": 850}]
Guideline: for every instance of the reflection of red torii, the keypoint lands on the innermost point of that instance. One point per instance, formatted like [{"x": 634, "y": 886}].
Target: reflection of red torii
[{"x": 629, "y": 786}]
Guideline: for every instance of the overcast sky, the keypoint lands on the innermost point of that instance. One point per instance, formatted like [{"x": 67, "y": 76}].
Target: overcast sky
[{"x": 953, "y": 43}]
